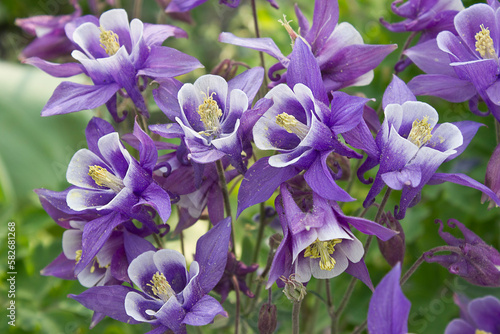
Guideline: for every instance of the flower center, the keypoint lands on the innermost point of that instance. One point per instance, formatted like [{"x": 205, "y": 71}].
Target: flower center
[
  {"x": 420, "y": 132},
  {"x": 161, "y": 287},
  {"x": 484, "y": 44},
  {"x": 478, "y": 331},
  {"x": 291, "y": 125},
  {"x": 323, "y": 251},
  {"x": 109, "y": 41},
  {"x": 103, "y": 178},
  {"x": 210, "y": 114},
  {"x": 78, "y": 255},
  {"x": 289, "y": 29}
]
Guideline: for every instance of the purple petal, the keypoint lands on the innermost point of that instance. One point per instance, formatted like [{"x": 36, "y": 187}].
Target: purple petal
[
  {"x": 211, "y": 254},
  {"x": 449, "y": 88},
  {"x": 347, "y": 111},
  {"x": 260, "y": 181},
  {"x": 56, "y": 70},
  {"x": 164, "y": 62},
  {"x": 182, "y": 5},
  {"x": 147, "y": 149},
  {"x": 369, "y": 227},
  {"x": 173, "y": 265},
  {"x": 397, "y": 92},
  {"x": 325, "y": 18},
  {"x": 171, "y": 315},
  {"x": 96, "y": 129},
  {"x": 249, "y": 82},
  {"x": 430, "y": 58},
  {"x": 303, "y": 68},
  {"x": 158, "y": 198},
  {"x": 302, "y": 20},
  {"x": 468, "y": 130},
  {"x": 135, "y": 245},
  {"x": 136, "y": 305},
  {"x": 468, "y": 22},
  {"x": 204, "y": 311},
  {"x": 389, "y": 308},
  {"x": 109, "y": 300},
  {"x": 266, "y": 45},
  {"x": 459, "y": 326},
  {"x": 360, "y": 271},
  {"x": 156, "y": 34},
  {"x": 116, "y": 20},
  {"x": 70, "y": 97},
  {"x": 166, "y": 97},
  {"x": 61, "y": 267},
  {"x": 486, "y": 313}
]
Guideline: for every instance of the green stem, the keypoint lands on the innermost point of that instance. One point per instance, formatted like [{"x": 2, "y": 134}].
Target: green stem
[
  {"x": 412, "y": 269},
  {"x": 158, "y": 240},
  {"x": 225, "y": 195},
  {"x": 360, "y": 328},
  {"x": 497, "y": 131},
  {"x": 181, "y": 238},
  {"x": 378, "y": 215},
  {"x": 261, "y": 54},
  {"x": 137, "y": 9},
  {"x": 295, "y": 318},
  {"x": 260, "y": 233},
  {"x": 238, "y": 303}
]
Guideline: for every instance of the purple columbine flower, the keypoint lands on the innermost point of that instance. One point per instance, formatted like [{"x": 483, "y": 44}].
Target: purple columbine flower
[
  {"x": 51, "y": 40},
  {"x": 470, "y": 257},
  {"x": 304, "y": 130},
  {"x": 111, "y": 182},
  {"x": 410, "y": 147},
  {"x": 389, "y": 308},
  {"x": 115, "y": 54},
  {"x": 209, "y": 116},
  {"x": 338, "y": 49},
  {"x": 477, "y": 316},
  {"x": 168, "y": 297},
  {"x": 463, "y": 67},
  {"x": 179, "y": 6},
  {"x": 317, "y": 239}
]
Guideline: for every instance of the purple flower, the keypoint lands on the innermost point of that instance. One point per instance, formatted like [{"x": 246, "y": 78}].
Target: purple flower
[
  {"x": 176, "y": 6},
  {"x": 470, "y": 258},
  {"x": 411, "y": 145},
  {"x": 389, "y": 308},
  {"x": 111, "y": 182},
  {"x": 302, "y": 127},
  {"x": 464, "y": 66},
  {"x": 209, "y": 116},
  {"x": 317, "y": 239},
  {"x": 338, "y": 49},
  {"x": 477, "y": 316},
  {"x": 51, "y": 40},
  {"x": 115, "y": 55},
  {"x": 169, "y": 297}
]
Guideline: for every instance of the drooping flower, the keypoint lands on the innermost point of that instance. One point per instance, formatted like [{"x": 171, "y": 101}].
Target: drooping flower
[
  {"x": 462, "y": 67},
  {"x": 410, "y": 147},
  {"x": 470, "y": 258},
  {"x": 116, "y": 55},
  {"x": 317, "y": 238},
  {"x": 111, "y": 182},
  {"x": 168, "y": 297},
  {"x": 50, "y": 38},
  {"x": 338, "y": 49},
  {"x": 209, "y": 116},
  {"x": 477, "y": 316},
  {"x": 304, "y": 130},
  {"x": 389, "y": 308}
]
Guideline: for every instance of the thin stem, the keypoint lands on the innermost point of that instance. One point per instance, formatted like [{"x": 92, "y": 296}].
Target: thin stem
[
  {"x": 260, "y": 233},
  {"x": 158, "y": 240},
  {"x": 331, "y": 308},
  {"x": 311, "y": 320},
  {"x": 238, "y": 303},
  {"x": 181, "y": 238},
  {"x": 378, "y": 216},
  {"x": 295, "y": 318},
  {"x": 412, "y": 269},
  {"x": 497, "y": 131},
  {"x": 137, "y": 8},
  {"x": 261, "y": 54},
  {"x": 360, "y": 328},
  {"x": 345, "y": 300},
  {"x": 225, "y": 195},
  {"x": 351, "y": 180}
]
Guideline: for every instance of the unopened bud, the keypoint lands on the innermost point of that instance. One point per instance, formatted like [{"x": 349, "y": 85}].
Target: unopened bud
[
  {"x": 393, "y": 250},
  {"x": 294, "y": 290},
  {"x": 268, "y": 319}
]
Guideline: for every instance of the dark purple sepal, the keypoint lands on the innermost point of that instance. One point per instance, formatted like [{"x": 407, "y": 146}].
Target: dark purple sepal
[
  {"x": 97, "y": 128},
  {"x": 56, "y": 70},
  {"x": 360, "y": 271},
  {"x": 260, "y": 181},
  {"x": 249, "y": 82},
  {"x": 119, "y": 266},
  {"x": 95, "y": 233},
  {"x": 204, "y": 311},
  {"x": 164, "y": 62},
  {"x": 303, "y": 68},
  {"x": 165, "y": 96},
  {"x": 61, "y": 267},
  {"x": 389, "y": 308},
  {"x": 211, "y": 254},
  {"x": 108, "y": 300},
  {"x": 135, "y": 245},
  {"x": 397, "y": 92},
  {"x": 156, "y": 34},
  {"x": 70, "y": 97}
]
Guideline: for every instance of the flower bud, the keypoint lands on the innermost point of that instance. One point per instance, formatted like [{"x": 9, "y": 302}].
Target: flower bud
[
  {"x": 294, "y": 290},
  {"x": 268, "y": 319},
  {"x": 492, "y": 179},
  {"x": 393, "y": 250}
]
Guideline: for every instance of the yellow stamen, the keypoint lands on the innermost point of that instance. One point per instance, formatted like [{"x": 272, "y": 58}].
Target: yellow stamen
[
  {"x": 289, "y": 29},
  {"x": 93, "y": 265},
  {"x": 291, "y": 125},
  {"x": 323, "y": 250},
  {"x": 78, "y": 256},
  {"x": 484, "y": 44},
  {"x": 420, "y": 132},
  {"x": 109, "y": 41},
  {"x": 103, "y": 178},
  {"x": 210, "y": 114},
  {"x": 161, "y": 287},
  {"x": 478, "y": 331}
]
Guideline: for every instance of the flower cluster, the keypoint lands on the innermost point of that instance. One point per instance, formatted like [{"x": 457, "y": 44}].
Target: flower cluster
[{"x": 293, "y": 142}]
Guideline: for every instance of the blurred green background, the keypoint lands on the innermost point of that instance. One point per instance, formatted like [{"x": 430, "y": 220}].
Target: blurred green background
[{"x": 35, "y": 151}]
